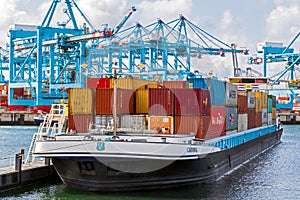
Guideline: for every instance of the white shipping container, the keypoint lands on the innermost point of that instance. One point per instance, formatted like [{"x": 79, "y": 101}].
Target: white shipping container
[
  {"x": 231, "y": 94},
  {"x": 242, "y": 122},
  {"x": 136, "y": 122},
  {"x": 270, "y": 120},
  {"x": 105, "y": 121},
  {"x": 251, "y": 100},
  {"x": 264, "y": 115}
]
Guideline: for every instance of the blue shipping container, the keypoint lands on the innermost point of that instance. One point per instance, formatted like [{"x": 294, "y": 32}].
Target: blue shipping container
[
  {"x": 231, "y": 118},
  {"x": 216, "y": 89}
]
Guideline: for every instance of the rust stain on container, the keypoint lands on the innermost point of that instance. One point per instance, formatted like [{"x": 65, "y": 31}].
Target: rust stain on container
[
  {"x": 79, "y": 123},
  {"x": 81, "y": 100}
]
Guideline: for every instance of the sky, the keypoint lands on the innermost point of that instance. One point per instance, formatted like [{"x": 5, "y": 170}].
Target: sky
[{"x": 243, "y": 22}]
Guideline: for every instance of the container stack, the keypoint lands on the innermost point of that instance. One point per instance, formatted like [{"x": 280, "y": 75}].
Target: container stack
[
  {"x": 251, "y": 110},
  {"x": 205, "y": 107},
  {"x": 192, "y": 111},
  {"x": 81, "y": 108},
  {"x": 217, "y": 112},
  {"x": 231, "y": 102},
  {"x": 258, "y": 109},
  {"x": 242, "y": 112},
  {"x": 161, "y": 110},
  {"x": 264, "y": 109}
]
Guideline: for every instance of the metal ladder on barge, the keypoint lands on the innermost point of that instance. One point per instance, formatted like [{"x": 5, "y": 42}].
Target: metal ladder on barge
[{"x": 59, "y": 112}]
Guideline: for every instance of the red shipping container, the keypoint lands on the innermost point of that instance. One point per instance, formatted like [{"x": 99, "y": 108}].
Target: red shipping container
[
  {"x": 103, "y": 83},
  {"x": 258, "y": 119},
  {"x": 79, "y": 123},
  {"x": 251, "y": 118},
  {"x": 192, "y": 102},
  {"x": 161, "y": 101},
  {"x": 104, "y": 101},
  {"x": 242, "y": 104},
  {"x": 175, "y": 84},
  {"x": 98, "y": 82},
  {"x": 217, "y": 123},
  {"x": 192, "y": 124}
]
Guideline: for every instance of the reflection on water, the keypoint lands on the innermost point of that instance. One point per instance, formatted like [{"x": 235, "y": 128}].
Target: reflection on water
[{"x": 272, "y": 175}]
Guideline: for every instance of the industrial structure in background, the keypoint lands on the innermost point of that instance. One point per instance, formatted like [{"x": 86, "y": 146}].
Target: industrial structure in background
[{"x": 44, "y": 61}]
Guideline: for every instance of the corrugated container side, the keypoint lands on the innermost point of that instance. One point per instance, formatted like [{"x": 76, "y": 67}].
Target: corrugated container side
[
  {"x": 175, "y": 84},
  {"x": 242, "y": 122},
  {"x": 258, "y": 105},
  {"x": 231, "y": 97},
  {"x": 258, "y": 94},
  {"x": 81, "y": 100},
  {"x": 136, "y": 122},
  {"x": 258, "y": 119},
  {"x": 274, "y": 111},
  {"x": 217, "y": 92},
  {"x": 270, "y": 106},
  {"x": 161, "y": 101},
  {"x": 273, "y": 101},
  {"x": 251, "y": 118},
  {"x": 142, "y": 101},
  {"x": 264, "y": 114},
  {"x": 79, "y": 123},
  {"x": 217, "y": 123},
  {"x": 270, "y": 120},
  {"x": 103, "y": 83},
  {"x": 192, "y": 124},
  {"x": 242, "y": 104},
  {"x": 123, "y": 83},
  {"x": 251, "y": 100},
  {"x": 264, "y": 100},
  {"x": 161, "y": 124},
  {"x": 91, "y": 82},
  {"x": 104, "y": 101},
  {"x": 231, "y": 118},
  {"x": 192, "y": 102}
]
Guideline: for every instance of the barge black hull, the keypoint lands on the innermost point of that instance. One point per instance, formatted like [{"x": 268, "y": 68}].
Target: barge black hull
[{"x": 100, "y": 177}]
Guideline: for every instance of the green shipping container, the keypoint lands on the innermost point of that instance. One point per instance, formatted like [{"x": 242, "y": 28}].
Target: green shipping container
[{"x": 270, "y": 105}]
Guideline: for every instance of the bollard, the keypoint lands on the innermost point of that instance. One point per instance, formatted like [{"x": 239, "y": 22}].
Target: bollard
[{"x": 18, "y": 166}]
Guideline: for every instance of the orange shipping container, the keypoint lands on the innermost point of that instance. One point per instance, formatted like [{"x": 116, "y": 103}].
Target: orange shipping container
[
  {"x": 161, "y": 124},
  {"x": 192, "y": 124},
  {"x": 242, "y": 104},
  {"x": 264, "y": 100},
  {"x": 258, "y": 105},
  {"x": 133, "y": 84}
]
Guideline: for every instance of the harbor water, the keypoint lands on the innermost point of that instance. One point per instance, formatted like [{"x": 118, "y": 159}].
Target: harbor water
[{"x": 272, "y": 175}]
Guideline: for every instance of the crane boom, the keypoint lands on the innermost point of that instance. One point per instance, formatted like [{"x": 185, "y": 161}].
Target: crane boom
[{"x": 121, "y": 24}]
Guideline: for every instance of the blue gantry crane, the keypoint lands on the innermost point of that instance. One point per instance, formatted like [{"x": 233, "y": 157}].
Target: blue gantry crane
[
  {"x": 156, "y": 51},
  {"x": 46, "y": 60}
]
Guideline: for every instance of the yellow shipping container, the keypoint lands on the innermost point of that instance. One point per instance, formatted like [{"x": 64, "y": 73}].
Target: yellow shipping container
[
  {"x": 264, "y": 100},
  {"x": 133, "y": 84},
  {"x": 81, "y": 100},
  {"x": 258, "y": 105},
  {"x": 161, "y": 124},
  {"x": 258, "y": 94},
  {"x": 274, "y": 113},
  {"x": 142, "y": 101}
]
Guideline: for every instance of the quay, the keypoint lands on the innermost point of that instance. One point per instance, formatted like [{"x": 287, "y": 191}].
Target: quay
[
  {"x": 16, "y": 118},
  {"x": 289, "y": 118},
  {"x": 22, "y": 175}
]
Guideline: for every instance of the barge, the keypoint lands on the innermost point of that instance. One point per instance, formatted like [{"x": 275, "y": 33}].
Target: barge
[{"x": 127, "y": 156}]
